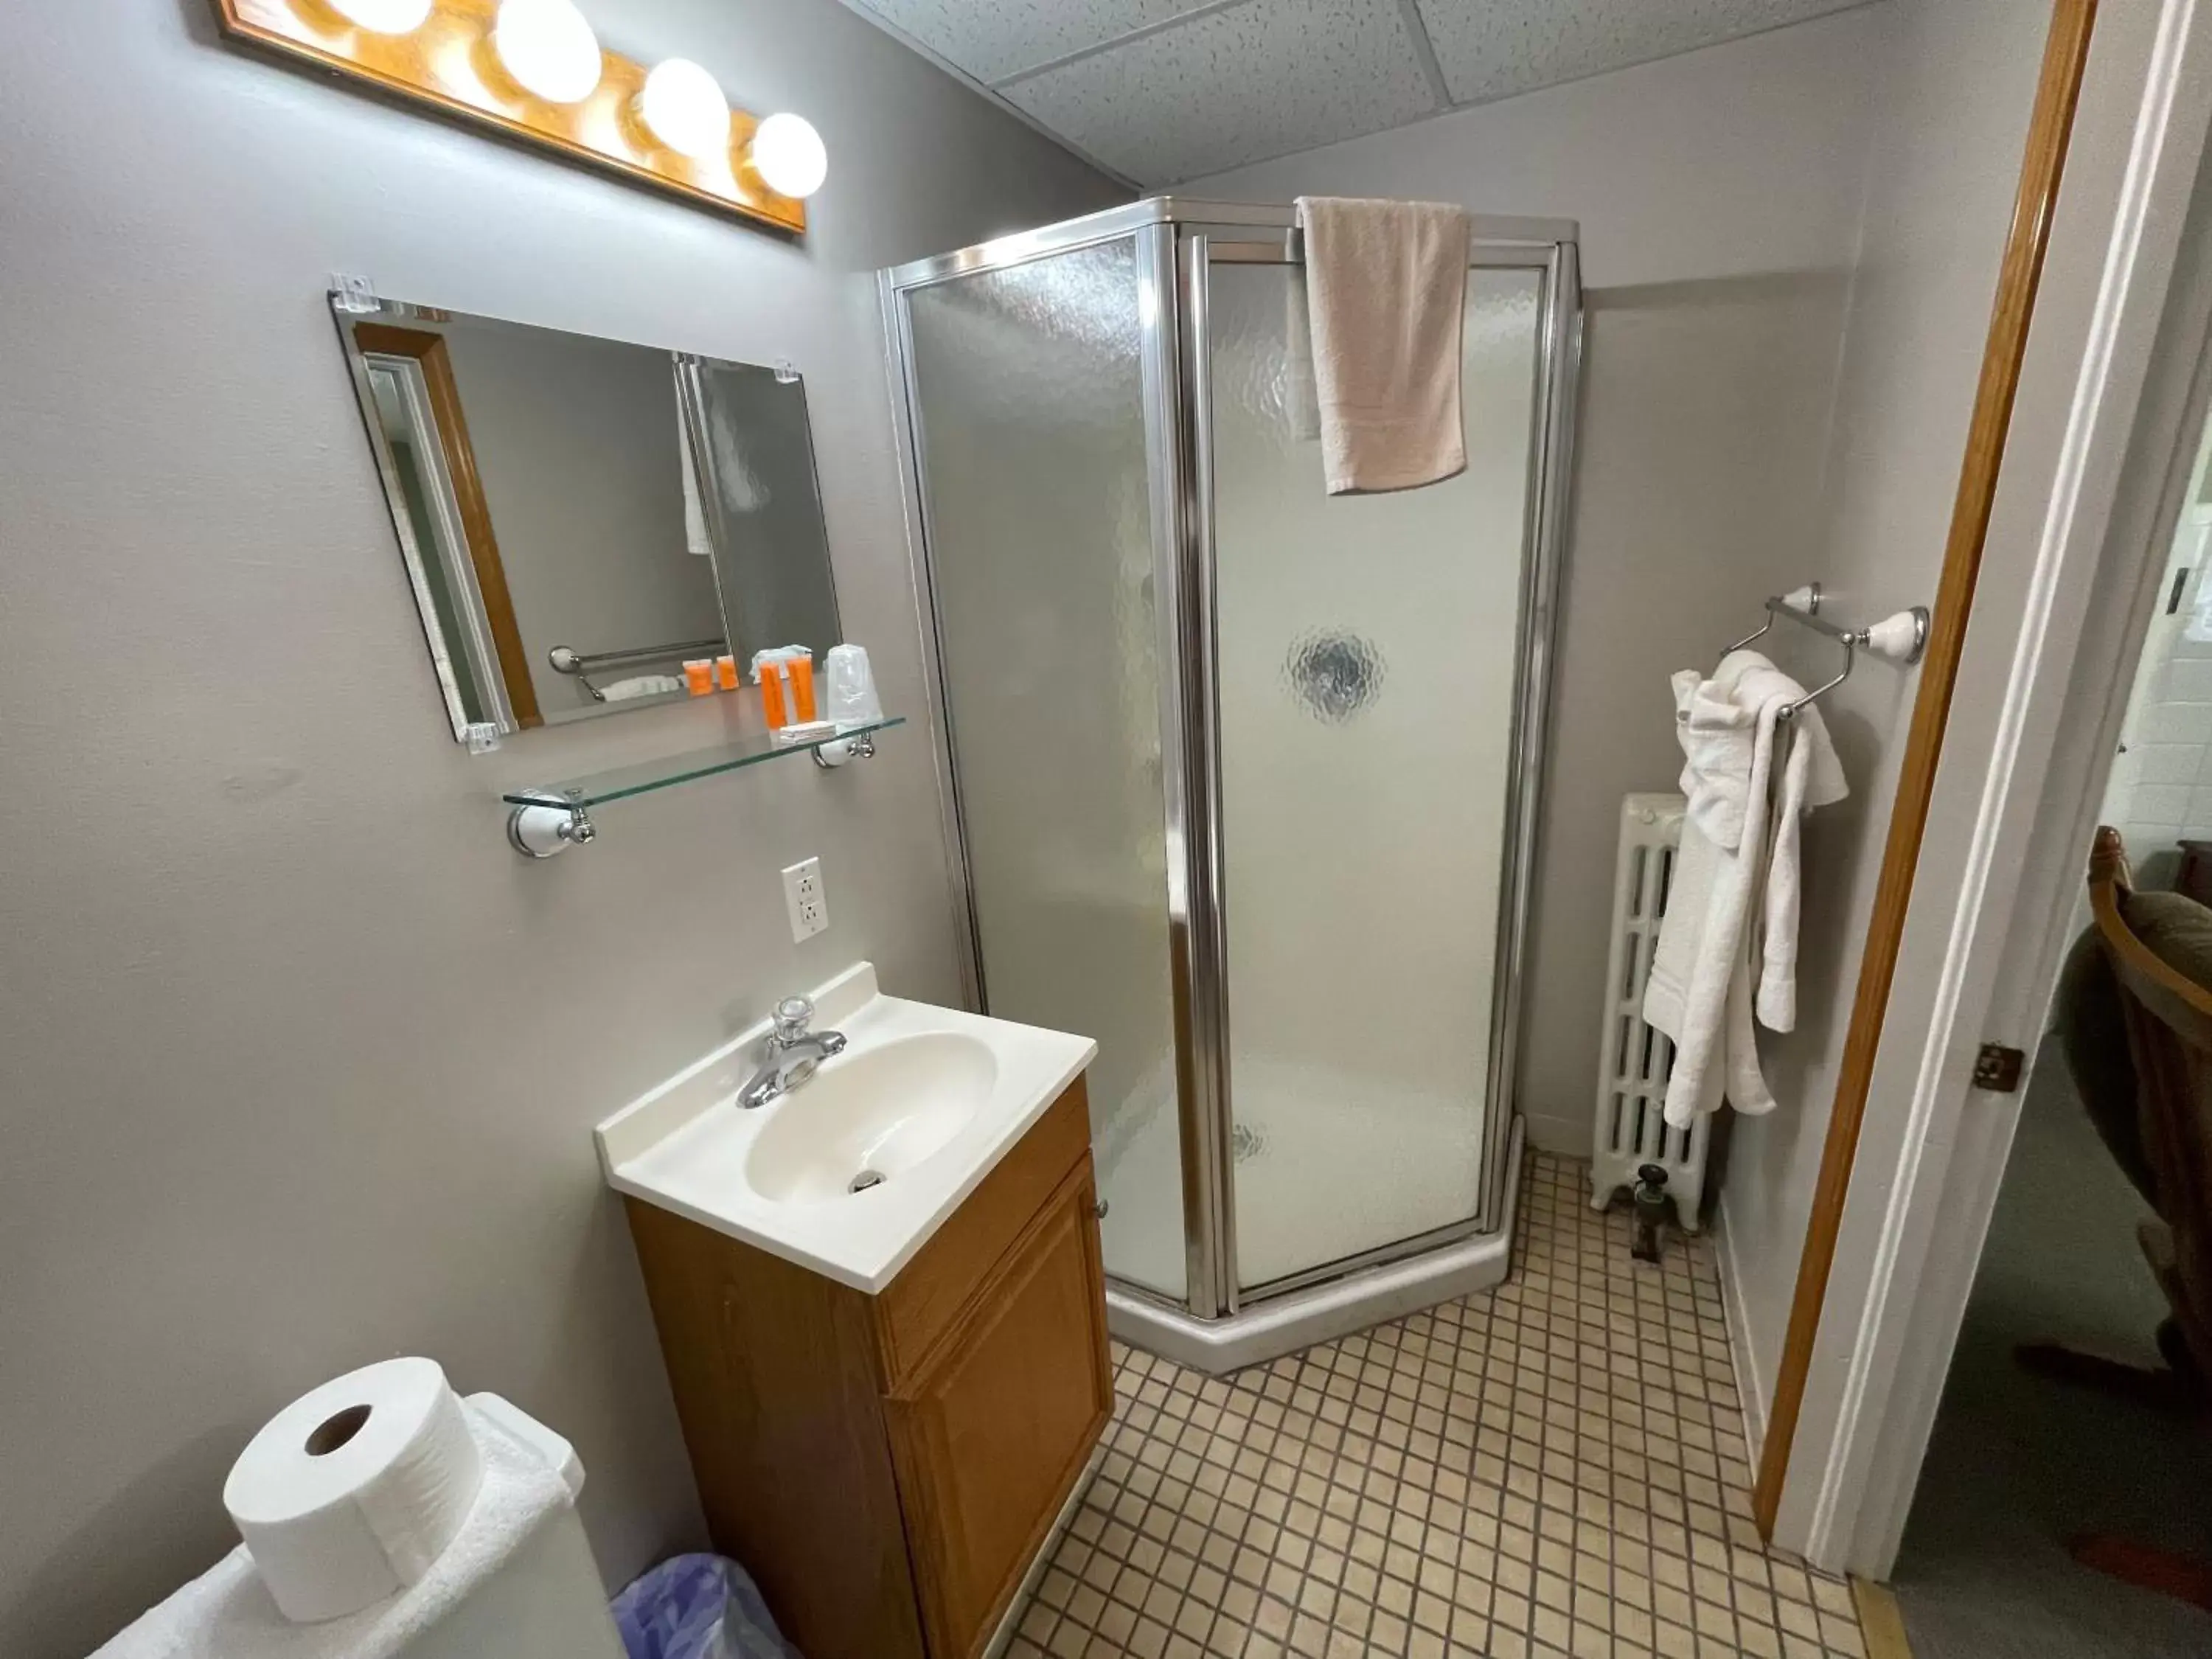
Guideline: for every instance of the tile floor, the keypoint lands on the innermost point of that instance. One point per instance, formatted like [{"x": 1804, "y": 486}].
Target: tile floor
[{"x": 1556, "y": 1467}]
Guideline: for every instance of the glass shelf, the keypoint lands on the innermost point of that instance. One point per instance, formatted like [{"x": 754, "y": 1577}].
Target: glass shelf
[{"x": 621, "y": 783}]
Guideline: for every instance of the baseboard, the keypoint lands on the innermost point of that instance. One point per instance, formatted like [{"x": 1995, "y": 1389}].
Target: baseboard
[
  {"x": 1748, "y": 1388},
  {"x": 1567, "y": 1137}
]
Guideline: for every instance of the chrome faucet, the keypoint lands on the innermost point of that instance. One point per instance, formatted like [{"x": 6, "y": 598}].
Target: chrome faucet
[{"x": 790, "y": 1055}]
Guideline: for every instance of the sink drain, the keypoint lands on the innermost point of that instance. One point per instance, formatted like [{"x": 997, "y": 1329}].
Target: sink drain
[{"x": 862, "y": 1182}]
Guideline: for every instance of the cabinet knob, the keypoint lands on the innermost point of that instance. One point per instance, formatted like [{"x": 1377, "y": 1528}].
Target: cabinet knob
[{"x": 1099, "y": 1208}]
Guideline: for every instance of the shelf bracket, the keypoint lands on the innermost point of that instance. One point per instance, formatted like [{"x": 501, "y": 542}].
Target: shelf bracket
[
  {"x": 539, "y": 832},
  {"x": 838, "y": 750}
]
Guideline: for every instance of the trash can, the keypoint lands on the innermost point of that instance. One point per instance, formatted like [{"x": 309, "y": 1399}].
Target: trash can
[{"x": 697, "y": 1607}]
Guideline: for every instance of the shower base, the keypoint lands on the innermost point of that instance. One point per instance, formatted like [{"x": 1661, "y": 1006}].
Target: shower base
[{"x": 1299, "y": 1319}]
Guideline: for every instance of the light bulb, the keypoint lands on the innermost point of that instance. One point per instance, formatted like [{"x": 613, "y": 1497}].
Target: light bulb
[
  {"x": 383, "y": 16},
  {"x": 787, "y": 154},
  {"x": 685, "y": 106},
  {"x": 549, "y": 47}
]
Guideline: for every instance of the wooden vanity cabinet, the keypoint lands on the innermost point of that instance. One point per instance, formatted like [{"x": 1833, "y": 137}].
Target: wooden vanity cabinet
[{"x": 886, "y": 1466}]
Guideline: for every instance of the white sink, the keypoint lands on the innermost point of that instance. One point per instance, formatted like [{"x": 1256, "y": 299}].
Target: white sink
[
  {"x": 870, "y": 1118},
  {"x": 924, "y": 1099}
]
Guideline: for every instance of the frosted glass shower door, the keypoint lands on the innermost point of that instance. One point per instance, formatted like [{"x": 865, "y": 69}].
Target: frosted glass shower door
[
  {"x": 1367, "y": 661},
  {"x": 1028, "y": 402}
]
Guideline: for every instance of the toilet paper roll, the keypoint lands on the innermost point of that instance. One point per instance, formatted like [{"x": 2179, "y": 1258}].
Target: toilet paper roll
[{"x": 350, "y": 1493}]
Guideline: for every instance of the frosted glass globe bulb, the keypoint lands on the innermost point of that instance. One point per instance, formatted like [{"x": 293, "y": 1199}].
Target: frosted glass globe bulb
[
  {"x": 685, "y": 106},
  {"x": 788, "y": 154},
  {"x": 547, "y": 46}
]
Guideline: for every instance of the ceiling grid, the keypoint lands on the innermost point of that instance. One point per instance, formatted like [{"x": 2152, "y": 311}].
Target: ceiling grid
[{"x": 1161, "y": 91}]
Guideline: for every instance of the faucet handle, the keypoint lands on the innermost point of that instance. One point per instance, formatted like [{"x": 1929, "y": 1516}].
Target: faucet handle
[{"x": 793, "y": 1016}]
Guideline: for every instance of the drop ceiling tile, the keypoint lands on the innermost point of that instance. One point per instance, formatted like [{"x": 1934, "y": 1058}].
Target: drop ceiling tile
[
  {"x": 1494, "y": 48},
  {"x": 1260, "y": 79},
  {"x": 993, "y": 39}
]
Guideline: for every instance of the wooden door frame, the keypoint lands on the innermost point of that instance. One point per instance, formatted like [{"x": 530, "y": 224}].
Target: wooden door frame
[
  {"x": 2071, "y": 542},
  {"x": 429, "y": 351},
  {"x": 2065, "y": 57}
]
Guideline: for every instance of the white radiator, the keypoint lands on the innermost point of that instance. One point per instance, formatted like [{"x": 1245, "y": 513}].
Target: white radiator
[{"x": 1631, "y": 1079}]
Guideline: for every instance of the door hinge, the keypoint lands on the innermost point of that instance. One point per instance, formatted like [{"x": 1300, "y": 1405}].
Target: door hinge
[{"x": 1997, "y": 1068}]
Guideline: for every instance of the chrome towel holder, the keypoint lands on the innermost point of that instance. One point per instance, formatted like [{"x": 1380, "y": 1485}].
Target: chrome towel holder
[
  {"x": 1899, "y": 638},
  {"x": 581, "y": 664}
]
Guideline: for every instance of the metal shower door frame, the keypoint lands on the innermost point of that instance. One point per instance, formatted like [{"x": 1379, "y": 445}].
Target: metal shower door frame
[
  {"x": 1558, "y": 352},
  {"x": 1177, "y": 241},
  {"x": 1149, "y": 226}
]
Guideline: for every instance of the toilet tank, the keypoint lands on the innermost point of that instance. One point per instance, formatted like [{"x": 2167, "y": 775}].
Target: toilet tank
[{"x": 546, "y": 1602}]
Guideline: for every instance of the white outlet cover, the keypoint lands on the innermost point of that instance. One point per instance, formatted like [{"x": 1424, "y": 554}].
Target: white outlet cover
[{"x": 805, "y": 900}]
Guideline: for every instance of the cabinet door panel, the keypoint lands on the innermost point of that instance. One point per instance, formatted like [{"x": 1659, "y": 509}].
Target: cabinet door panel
[
  {"x": 933, "y": 1291},
  {"x": 991, "y": 1430}
]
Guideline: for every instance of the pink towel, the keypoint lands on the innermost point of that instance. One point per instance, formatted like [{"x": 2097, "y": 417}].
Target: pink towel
[{"x": 1385, "y": 283}]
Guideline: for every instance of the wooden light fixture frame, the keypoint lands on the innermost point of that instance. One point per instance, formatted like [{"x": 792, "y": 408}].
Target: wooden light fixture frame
[{"x": 449, "y": 65}]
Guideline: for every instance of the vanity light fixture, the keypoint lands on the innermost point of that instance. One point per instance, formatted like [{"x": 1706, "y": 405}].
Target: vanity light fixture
[
  {"x": 383, "y": 16},
  {"x": 684, "y": 106},
  {"x": 787, "y": 154},
  {"x": 549, "y": 48},
  {"x": 534, "y": 69}
]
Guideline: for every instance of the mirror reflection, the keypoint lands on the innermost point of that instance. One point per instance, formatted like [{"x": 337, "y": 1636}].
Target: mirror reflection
[{"x": 581, "y": 518}]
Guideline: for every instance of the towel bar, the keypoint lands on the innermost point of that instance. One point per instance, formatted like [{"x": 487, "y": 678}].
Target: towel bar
[
  {"x": 581, "y": 664},
  {"x": 1899, "y": 638}
]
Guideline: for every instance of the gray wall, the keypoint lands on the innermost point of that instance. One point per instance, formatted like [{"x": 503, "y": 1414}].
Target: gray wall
[
  {"x": 576, "y": 443},
  {"x": 298, "y": 1061},
  {"x": 1958, "y": 80},
  {"x": 1718, "y": 194}
]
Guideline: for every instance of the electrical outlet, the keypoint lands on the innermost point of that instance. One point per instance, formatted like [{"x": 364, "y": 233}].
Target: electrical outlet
[{"x": 804, "y": 898}]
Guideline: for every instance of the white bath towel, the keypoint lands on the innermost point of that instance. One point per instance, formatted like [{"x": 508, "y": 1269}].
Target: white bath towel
[
  {"x": 1811, "y": 776},
  {"x": 226, "y": 1612},
  {"x": 1717, "y": 735},
  {"x": 1700, "y": 989},
  {"x": 1702, "y": 940},
  {"x": 1385, "y": 283}
]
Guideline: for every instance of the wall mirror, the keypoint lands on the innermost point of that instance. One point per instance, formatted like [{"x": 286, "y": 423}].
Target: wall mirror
[{"x": 580, "y": 516}]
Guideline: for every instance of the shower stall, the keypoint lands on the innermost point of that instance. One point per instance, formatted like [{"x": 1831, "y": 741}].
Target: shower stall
[{"x": 1241, "y": 779}]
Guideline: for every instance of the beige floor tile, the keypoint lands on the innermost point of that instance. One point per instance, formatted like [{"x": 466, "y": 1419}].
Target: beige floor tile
[{"x": 1555, "y": 1469}]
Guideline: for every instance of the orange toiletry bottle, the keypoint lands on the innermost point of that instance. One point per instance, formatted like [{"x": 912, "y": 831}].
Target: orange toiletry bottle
[
  {"x": 786, "y": 676},
  {"x": 774, "y": 706},
  {"x": 699, "y": 677}
]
